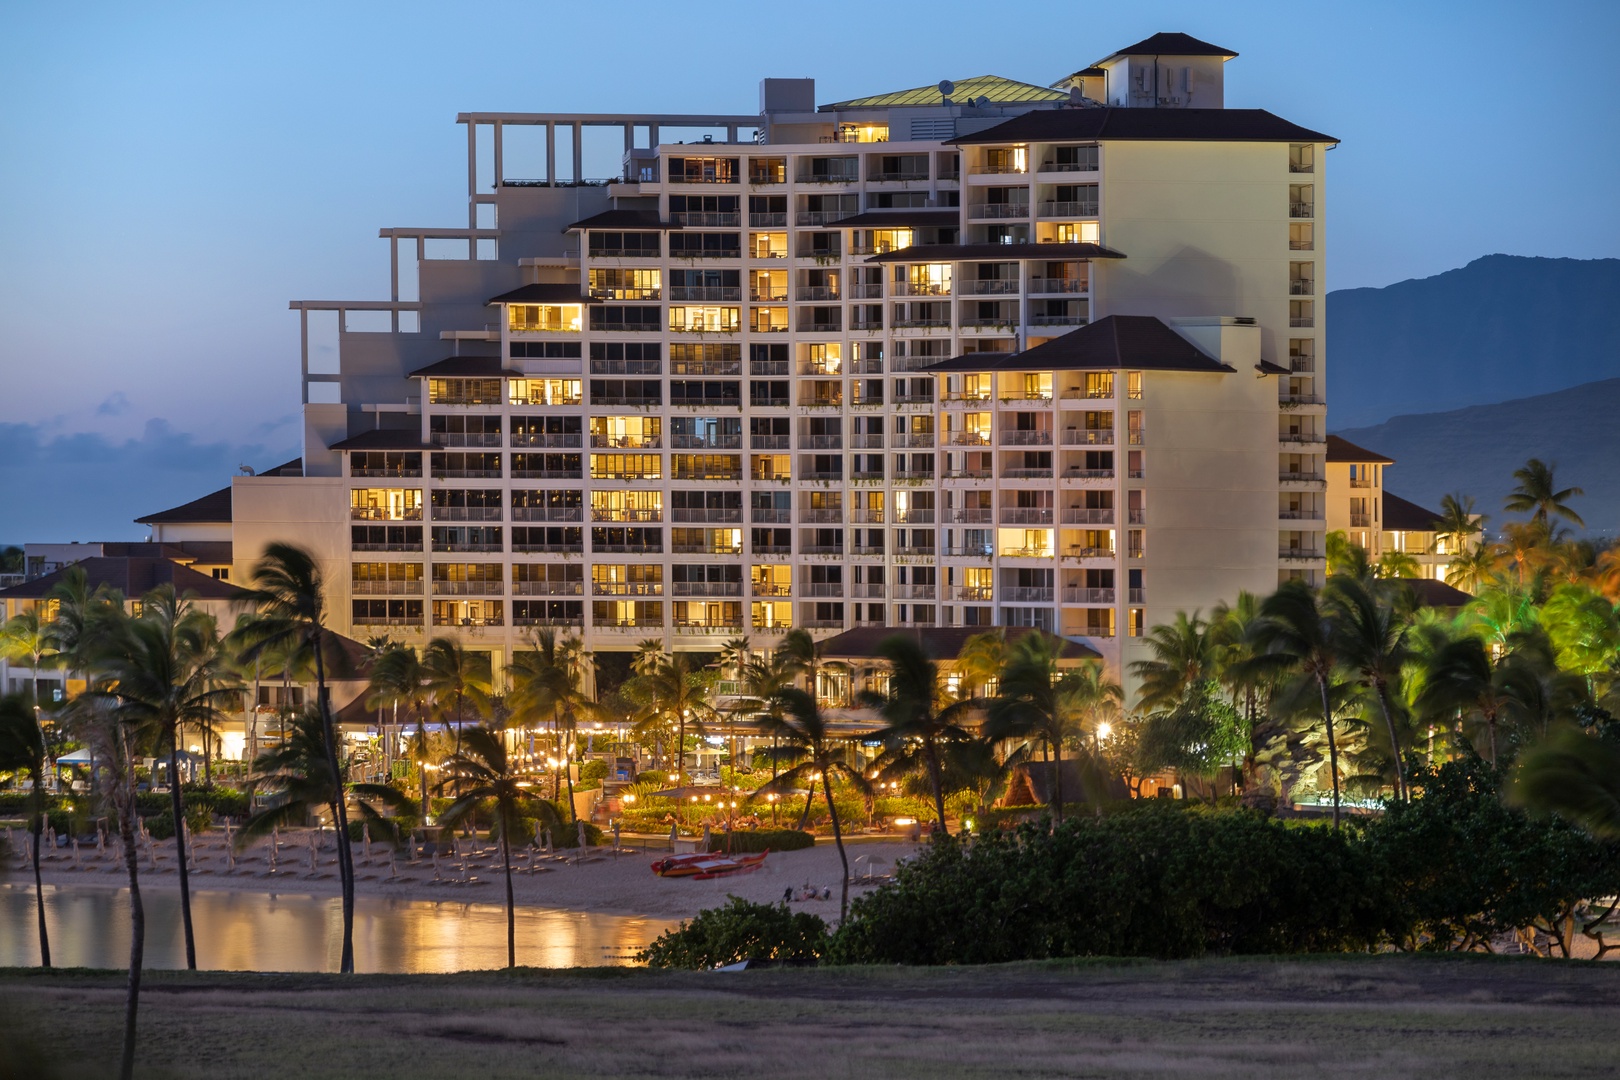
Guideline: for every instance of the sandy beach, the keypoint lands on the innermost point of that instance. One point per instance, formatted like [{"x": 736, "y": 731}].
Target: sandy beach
[{"x": 618, "y": 883}]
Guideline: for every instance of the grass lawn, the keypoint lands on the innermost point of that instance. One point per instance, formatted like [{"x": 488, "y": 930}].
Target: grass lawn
[{"x": 1385, "y": 1016}]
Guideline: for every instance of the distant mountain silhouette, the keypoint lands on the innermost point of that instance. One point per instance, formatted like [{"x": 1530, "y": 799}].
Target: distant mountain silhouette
[
  {"x": 1500, "y": 328},
  {"x": 1475, "y": 450}
]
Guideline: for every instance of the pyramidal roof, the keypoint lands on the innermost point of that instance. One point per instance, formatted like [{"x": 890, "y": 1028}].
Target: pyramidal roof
[{"x": 999, "y": 90}]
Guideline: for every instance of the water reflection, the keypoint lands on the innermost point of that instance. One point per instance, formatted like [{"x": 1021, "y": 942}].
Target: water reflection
[{"x": 89, "y": 927}]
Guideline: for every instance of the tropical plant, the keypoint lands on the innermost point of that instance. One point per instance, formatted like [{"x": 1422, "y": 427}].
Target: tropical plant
[
  {"x": 25, "y": 640},
  {"x": 167, "y": 672},
  {"x": 22, "y": 752},
  {"x": 739, "y": 931},
  {"x": 796, "y": 723},
  {"x": 1197, "y": 735},
  {"x": 1575, "y": 775},
  {"x": 674, "y": 695},
  {"x": 1392, "y": 565},
  {"x": 289, "y": 595},
  {"x": 546, "y": 682},
  {"x": 1369, "y": 635},
  {"x": 482, "y": 764},
  {"x": 1458, "y": 520},
  {"x": 1036, "y": 700},
  {"x": 979, "y": 663},
  {"x": 1463, "y": 683},
  {"x": 1472, "y": 567},
  {"x": 920, "y": 718},
  {"x": 1538, "y": 494},
  {"x": 1181, "y": 655},
  {"x": 1295, "y": 635},
  {"x": 397, "y": 679},
  {"x": 454, "y": 678}
]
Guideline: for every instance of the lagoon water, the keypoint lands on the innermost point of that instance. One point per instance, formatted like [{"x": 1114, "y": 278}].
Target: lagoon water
[{"x": 248, "y": 931}]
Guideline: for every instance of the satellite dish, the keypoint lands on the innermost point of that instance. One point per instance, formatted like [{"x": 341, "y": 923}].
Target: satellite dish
[
  {"x": 1075, "y": 96},
  {"x": 946, "y": 87},
  {"x": 982, "y": 101}
]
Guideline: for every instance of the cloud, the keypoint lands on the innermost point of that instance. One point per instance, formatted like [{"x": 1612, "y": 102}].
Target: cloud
[
  {"x": 115, "y": 405},
  {"x": 85, "y": 486}
]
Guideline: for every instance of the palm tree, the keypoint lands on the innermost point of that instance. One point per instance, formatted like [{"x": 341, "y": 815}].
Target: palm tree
[
  {"x": 920, "y": 719},
  {"x": 1035, "y": 700},
  {"x": 1472, "y": 567},
  {"x": 1462, "y": 682},
  {"x": 1458, "y": 520},
  {"x": 455, "y": 676},
  {"x": 1184, "y": 654},
  {"x": 980, "y": 662},
  {"x": 1576, "y": 776},
  {"x": 81, "y": 614},
  {"x": 1294, "y": 634},
  {"x": 1392, "y": 565},
  {"x": 676, "y": 695},
  {"x": 289, "y": 595},
  {"x": 483, "y": 763},
  {"x": 649, "y": 652},
  {"x": 1370, "y": 638},
  {"x": 1345, "y": 559},
  {"x": 546, "y": 686},
  {"x": 1537, "y": 495},
  {"x": 397, "y": 679},
  {"x": 167, "y": 672},
  {"x": 795, "y": 721},
  {"x": 25, "y": 640},
  {"x": 22, "y": 751}
]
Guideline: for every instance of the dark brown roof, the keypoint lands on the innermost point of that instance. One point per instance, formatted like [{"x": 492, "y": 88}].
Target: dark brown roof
[
  {"x": 1343, "y": 450},
  {"x": 181, "y": 551},
  {"x": 624, "y": 219},
  {"x": 133, "y": 577},
  {"x": 554, "y": 292},
  {"x": 916, "y": 217},
  {"x": 938, "y": 642},
  {"x": 1266, "y": 367},
  {"x": 466, "y": 367},
  {"x": 213, "y": 508},
  {"x": 1431, "y": 593},
  {"x": 997, "y": 252},
  {"x": 384, "y": 439},
  {"x": 1171, "y": 44},
  {"x": 1115, "y": 341},
  {"x": 1182, "y": 125},
  {"x": 1403, "y": 516}
]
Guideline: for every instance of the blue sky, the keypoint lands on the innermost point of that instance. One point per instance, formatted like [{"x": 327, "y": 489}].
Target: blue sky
[{"x": 171, "y": 175}]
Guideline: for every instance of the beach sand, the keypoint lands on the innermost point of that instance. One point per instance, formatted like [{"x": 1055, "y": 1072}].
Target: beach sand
[{"x": 603, "y": 881}]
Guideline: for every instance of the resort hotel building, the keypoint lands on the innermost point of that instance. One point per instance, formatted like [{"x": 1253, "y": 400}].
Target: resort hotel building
[{"x": 975, "y": 354}]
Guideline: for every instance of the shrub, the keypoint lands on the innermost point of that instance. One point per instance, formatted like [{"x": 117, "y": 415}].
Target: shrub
[
  {"x": 739, "y": 931},
  {"x": 743, "y": 842},
  {"x": 594, "y": 769},
  {"x": 653, "y": 776}
]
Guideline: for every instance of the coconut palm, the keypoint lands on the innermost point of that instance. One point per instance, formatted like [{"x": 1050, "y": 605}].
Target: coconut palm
[
  {"x": 1472, "y": 567},
  {"x": 1538, "y": 495},
  {"x": 980, "y": 662},
  {"x": 1463, "y": 683},
  {"x": 167, "y": 673},
  {"x": 289, "y": 595},
  {"x": 1345, "y": 559},
  {"x": 1576, "y": 776},
  {"x": 1295, "y": 635},
  {"x": 920, "y": 717},
  {"x": 1183, "y": 654},
  {"x": 22, "y": 752},
  {"x": 675, "y": 695},
  {"x": 484, "y": 769},
  {"x": 1458, "y": 520},
  {"x": 1035, "y": 700},
  {"x": 1392, "y": 565},
  {"x": 25, "y": 640},
  {"x": 455, "y": 678},
  {"x": 80, "y": 618},
  {"x": 546, "y": 682},
  {"x": 796, "y": 723},
  {"x": 397, "y": 679},
  {"x": 649, "y": 653},
  {"x": 1369, "y": 635}
]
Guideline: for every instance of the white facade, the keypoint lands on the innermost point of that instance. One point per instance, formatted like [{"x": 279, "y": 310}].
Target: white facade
[{"x": 710, "y": 418}]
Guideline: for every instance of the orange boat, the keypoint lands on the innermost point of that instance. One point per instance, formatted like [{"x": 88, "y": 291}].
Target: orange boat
[{"x": 704, "y": 866}]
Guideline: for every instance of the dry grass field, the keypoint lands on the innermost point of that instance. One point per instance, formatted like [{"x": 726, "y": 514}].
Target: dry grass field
[{"x": 1322, "y": 1017}]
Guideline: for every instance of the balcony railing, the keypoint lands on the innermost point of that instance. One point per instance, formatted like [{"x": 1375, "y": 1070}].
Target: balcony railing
[
  {"x": 914, "y": 592},
  {"x": 822, "y": 516},
  {"x": 967, "y": 551},
  {"x": 989, "y": 287},
  {"x": 1303, "y": 287},
  {"x": 1087, "y": 515},
  {"x": 708, "y": 218},
  {"x": 468, "y": 588},
  {"x": 527, "y": 441},
  {"x": 822, "y": 588},
  {"x": 866, "y": 442},
  {"x": 466, "y": 513},
  {"x": 706, "y": 588},
  {"x": 1302, "y": 399},
  {"x": 548, "y": 513},
  {"x": 548, "y": 588},
  {"x": 1027, "y": 474},
  {"x": 1301, "y": 437},
  {"x": 1287, "y": 476},
  {"x": 522, "y": 547},
  {"x": 620, "y": 513},
  {"x": 1026, "y": 438},
  {"x": 387, "y": 588},
  {"x": 1077, "y": 473},
  {"x": 1027, "y": 594},
  {"x": 1026, "y": 515},
  {"x": 713, "y": 293},
  {"x": 905, "y": 174},
  {"x": 383, "y": 513},
  {"x": 1088, "y": 437},
  {"x": 1080, "y": 551},
  {"x": 822, "y": 217},
  {"x": 1361, "y": 521},
  {"x": 971, "y": 515},
  {"x": 1068, "y": 319},
  {"x": 1298, "y": 553},
  {"x": 920, "y": 288},
  {"x": 1088, "y": 596},
  {"x": 916, "y": 441},
  {"x": 768, "y": 221},
  {"x": 1058, "y": 285},
  {"x": 1069, "y": 209},
  {"x": 910, "y": 517},
  {"x": 766, "y": 515},
  {"x": 1027, "y": 552},
  {"x": 1301, "y": 209},
  {"x": 1300, "y": 515}
]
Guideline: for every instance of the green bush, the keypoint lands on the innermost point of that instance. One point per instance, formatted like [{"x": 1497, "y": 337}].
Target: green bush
[
  {"x": 743, "y": 842},
  {"x": 739, "y": 931},
  {"x": 653, "y": 776},
  {"x": 594, "y": 769}
]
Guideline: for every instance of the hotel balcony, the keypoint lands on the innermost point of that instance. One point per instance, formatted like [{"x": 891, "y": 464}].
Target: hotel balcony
[
  {"x": 1069, "y": 209},
  {"x": 1059, "y": 285},
  {"x": 1026, "y": 594},
  {"x": 988, "y": 287},
  {"x": 1026, "y": 515},
  {"x": 386, "y": 588},
  {"x": 1088, "y": 596},
  {"x": 1088, "y": 436},
  {"x": 706, "y": 588},
  {"x": 468, "y": 588},
  {"x": 548, "y": 588},
  {"x": 1026, "y": 438},
  {"x": 1081, "y": 515}
]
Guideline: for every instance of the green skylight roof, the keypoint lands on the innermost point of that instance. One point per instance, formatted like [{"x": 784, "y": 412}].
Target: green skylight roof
[{"x": 1000, "y": 91}]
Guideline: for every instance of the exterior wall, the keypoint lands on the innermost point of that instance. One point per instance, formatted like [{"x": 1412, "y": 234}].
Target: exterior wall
[{"x": 1363, "y": 528}]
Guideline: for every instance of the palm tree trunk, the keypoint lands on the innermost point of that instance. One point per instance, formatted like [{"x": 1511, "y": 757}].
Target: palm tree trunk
[
  {"x": 39, "y": 889},
  {"x": 838, "y": 840},
  {"x": 1057, "y": 780},
  {"x": 137, "y": 922},
  {"x": 1333, "y": 748},
  {"x": 680, "y": 750},
  {"x": 931, "y": 751},
  {"x": 1394, "y": 742},
  {"x": 506, "y": 858},
  {"x": 177, "y": 801},
  {"x": 1490, "y": 724},
  {"x": 339, "y": 810}
]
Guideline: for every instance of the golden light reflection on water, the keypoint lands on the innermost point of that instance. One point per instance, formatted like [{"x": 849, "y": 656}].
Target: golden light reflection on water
[{"x": 89, "y": 927}]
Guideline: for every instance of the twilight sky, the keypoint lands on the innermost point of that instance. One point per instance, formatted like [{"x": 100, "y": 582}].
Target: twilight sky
[{"x": 171, "y": 175}]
